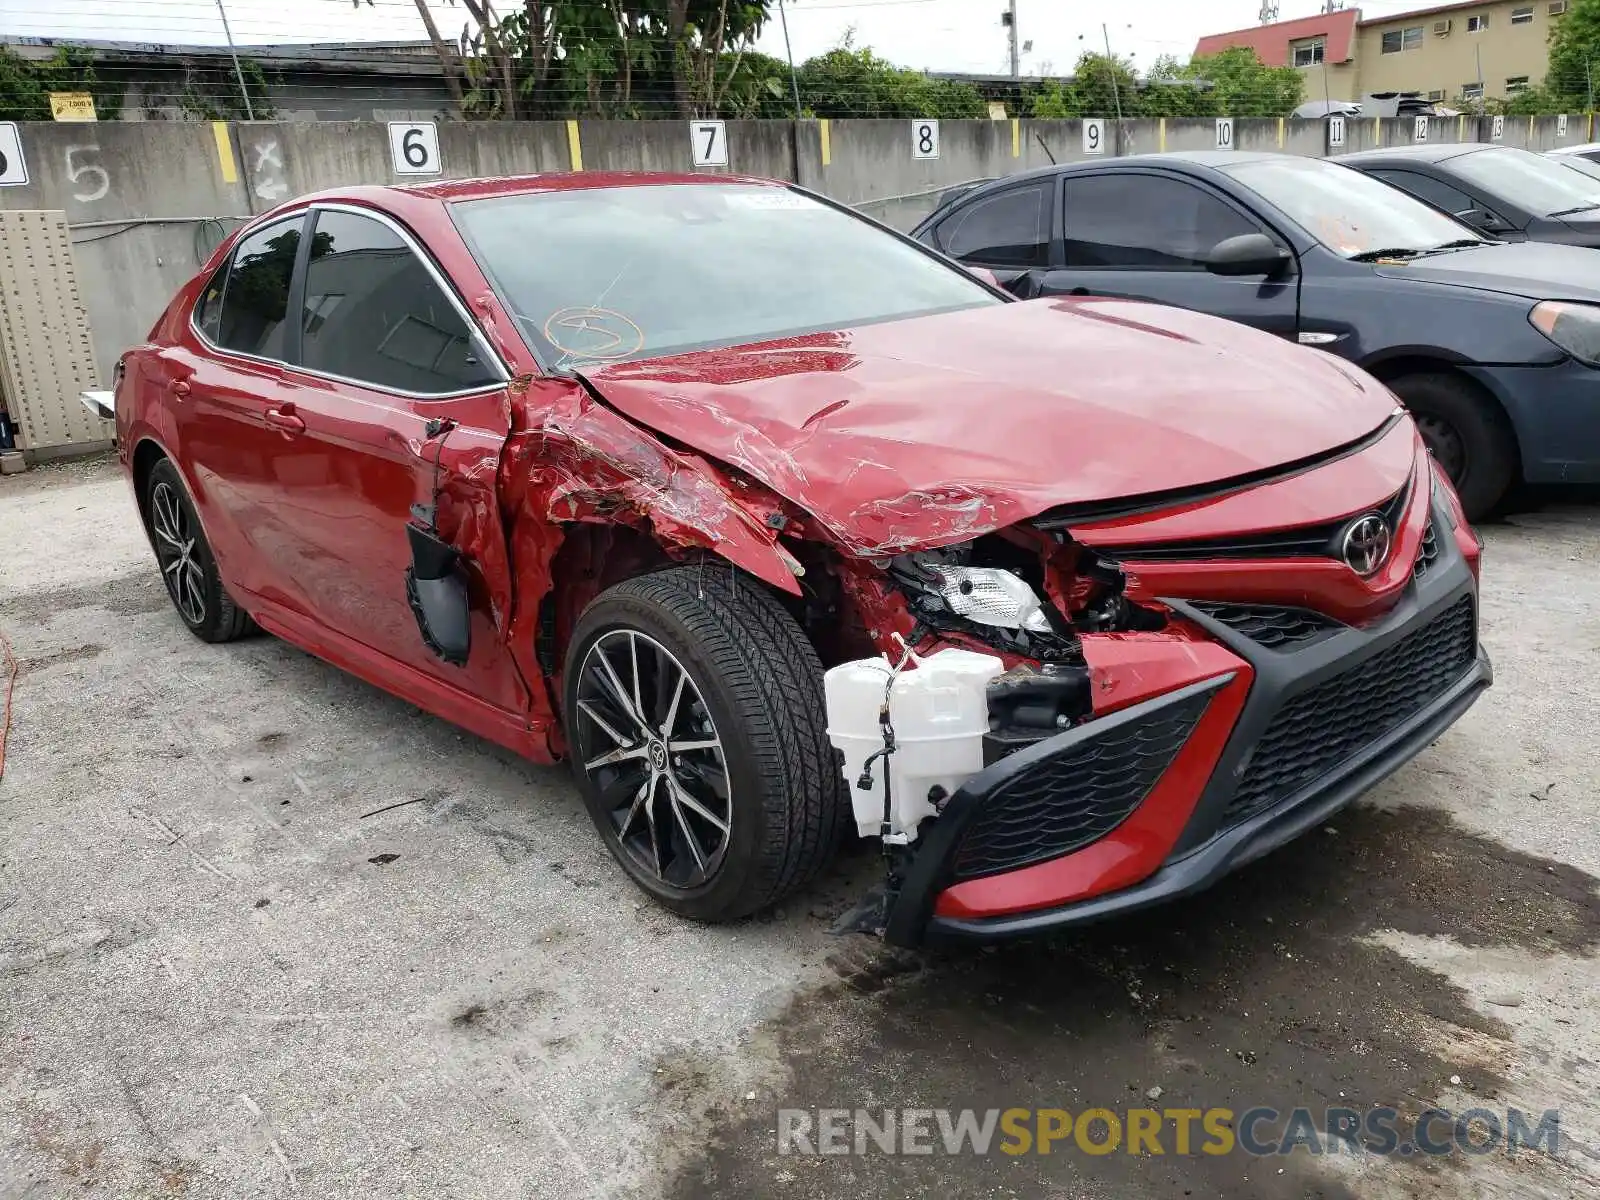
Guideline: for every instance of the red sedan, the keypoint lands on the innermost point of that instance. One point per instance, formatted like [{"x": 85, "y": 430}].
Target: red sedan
[{"x": 615, "y": 468}]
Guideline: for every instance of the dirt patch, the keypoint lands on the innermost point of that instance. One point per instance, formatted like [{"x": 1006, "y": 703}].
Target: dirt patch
[
  {"x": 507, "y": 1014},
  {"x": 137, "y": 592},
  {"x": 1265, "y": 991},
  {"x": 76, "y": 654}
]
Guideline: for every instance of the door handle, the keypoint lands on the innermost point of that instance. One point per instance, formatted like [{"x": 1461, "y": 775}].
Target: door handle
[
  {"x": 284, "y": 420},
  {"x": 180, "y": 388}
]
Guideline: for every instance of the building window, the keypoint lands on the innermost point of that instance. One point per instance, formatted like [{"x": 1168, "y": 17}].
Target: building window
[
  {"x": 1522, "y": 16},
  {"x": 1515, "y": 84},
  {"x": 1397, "y": 40},
  {"x": 1477, "y": 24},
  {"x": 1436, "y": 96},
  {"x": 1472, "y": 91},
  {"x": 1308, "y": 54}
]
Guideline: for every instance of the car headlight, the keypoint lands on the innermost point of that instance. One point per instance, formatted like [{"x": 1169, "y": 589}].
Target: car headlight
[
  {"x": 1573, "y": 327},
  {"x": 990, "y": 596},
  {"x": 1444, "y": 495}
]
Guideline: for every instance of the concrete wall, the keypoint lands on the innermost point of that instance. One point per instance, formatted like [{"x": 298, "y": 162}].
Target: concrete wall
[{"x": 148, "y": 200}]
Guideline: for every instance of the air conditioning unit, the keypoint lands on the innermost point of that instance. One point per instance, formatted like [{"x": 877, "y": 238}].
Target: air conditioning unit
[
  {"x": 1441, "y": 29},
  {"x": 1557, "y": 7}
]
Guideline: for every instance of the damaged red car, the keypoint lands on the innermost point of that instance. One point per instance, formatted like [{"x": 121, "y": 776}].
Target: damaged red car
[{"x": 783, "y": 529}]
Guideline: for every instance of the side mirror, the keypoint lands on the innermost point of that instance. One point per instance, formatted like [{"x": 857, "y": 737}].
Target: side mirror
[
  {"x": 984, "y": 274},
  {"x": 1483, "y": 220},
  {"x": 1247, "y": 254}
]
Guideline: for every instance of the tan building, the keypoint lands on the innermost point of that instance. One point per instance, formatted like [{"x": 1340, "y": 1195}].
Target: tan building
[{"x": 1493, "y": 48}]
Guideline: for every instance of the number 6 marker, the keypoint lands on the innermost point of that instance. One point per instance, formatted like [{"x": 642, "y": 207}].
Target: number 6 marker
[{"x": 414, "y": 147}]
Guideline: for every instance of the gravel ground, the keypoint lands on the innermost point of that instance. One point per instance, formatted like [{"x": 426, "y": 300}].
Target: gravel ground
[{"x": 224, "y": 972}]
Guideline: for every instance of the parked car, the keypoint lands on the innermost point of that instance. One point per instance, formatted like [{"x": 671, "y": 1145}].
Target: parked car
[
  {"x": 1500, "y": 191},
  {"x": 612, "y": 468},
  {"x": 1576, "y": 162},
  {"x": 1492, "y": 347},
  {"x": 1589, "y": 151}
]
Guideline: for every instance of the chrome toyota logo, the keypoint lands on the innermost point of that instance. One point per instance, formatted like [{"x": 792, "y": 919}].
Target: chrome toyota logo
[{"x": 1366, "y": 542}]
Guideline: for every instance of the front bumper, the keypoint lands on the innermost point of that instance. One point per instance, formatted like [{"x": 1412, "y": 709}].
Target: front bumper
[{"x": 1320, "y": 725}]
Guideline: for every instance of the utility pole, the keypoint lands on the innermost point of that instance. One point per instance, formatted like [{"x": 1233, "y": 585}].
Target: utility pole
[
  {"x": 238, "y": 71},
  {"x": 794, "y": 80},
  {"x": 1111, "y": 63},
  {"x": 1009, "y": 20}
]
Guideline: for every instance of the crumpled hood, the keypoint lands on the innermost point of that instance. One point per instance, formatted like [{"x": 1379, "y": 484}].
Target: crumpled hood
[
  {"x": 932, "y": 430},
  {"x": 1536, "y": 270}
]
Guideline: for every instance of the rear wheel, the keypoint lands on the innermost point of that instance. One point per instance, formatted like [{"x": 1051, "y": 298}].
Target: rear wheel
[
  {"x": 694, "y": 714},
  {"x": 187, "y": 566},
  {"x": 1467, "y": 434}
]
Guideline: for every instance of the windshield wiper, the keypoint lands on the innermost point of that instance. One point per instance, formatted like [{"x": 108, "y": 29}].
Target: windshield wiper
[
  {"x": 1461, "y": 244},
  {"x": 1390, "y": 252},
  {"x": 1567, "y": 212}
]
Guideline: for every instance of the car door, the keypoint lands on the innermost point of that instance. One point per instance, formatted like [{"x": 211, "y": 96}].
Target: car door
[
  {"x": 391, "y": 403},
  {"x": 1007, "y": 232},
  {"x": 221, "y": 382},
  {"x": 1474, "y": 210},
  {"x": 1146, "y": 235}
]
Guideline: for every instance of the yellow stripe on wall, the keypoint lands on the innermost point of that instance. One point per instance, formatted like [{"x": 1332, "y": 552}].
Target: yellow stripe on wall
[
  {"x": 1161, "y": 136},
  {"x": 575, "y": 145},
  {"x": 1461, "y": 128},
  {"x": 230, "y": 169},
  {"x": 1016, "y": 137},
  {"x": 1377, "y": 131},
  {"x": 1280, "y": 133},
  {"x": 827, "y": 150}
]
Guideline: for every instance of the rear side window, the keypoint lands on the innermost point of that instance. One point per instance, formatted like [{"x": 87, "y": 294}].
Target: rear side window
[
  {"x": 1011, "y": 228},
  {"x": 208, "y": 309},
  {"x": 373, "y": 313},
  {"x": 255, "y": 299},
  {"x": 1145, "y": 222},
  {"x": 1429, "y": 191}
]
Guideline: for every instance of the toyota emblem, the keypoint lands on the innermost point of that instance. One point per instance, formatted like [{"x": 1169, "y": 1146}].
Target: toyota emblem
[{"x": 1366, "y": 543}]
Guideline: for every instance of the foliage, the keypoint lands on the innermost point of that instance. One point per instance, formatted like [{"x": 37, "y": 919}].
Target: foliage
[
  {"x": 856, "y": 83},
  {"x": 209, "y": 97},
  {"x": 25, "y": 85},
  {"x": 1232, "y": 83},
  {"x": 1570, "y": 81}
]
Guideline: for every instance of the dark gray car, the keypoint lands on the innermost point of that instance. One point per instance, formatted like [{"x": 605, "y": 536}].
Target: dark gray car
[
  {"x": 1495, "y": 347},
  {"x": 1499, "y": 190}
]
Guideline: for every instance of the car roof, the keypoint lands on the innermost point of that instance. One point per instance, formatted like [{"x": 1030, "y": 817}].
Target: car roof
[
  {"x": 455, "y": 190},
  {"x": 1586, "y": 148},
  {"x": 1433, "y": 152}
]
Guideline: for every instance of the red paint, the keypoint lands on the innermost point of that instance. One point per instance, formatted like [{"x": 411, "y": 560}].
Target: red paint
[
  {"x": 1271, "y": 42},
  {"x": 803, "y": 463},
  {"x": 1127, "y": 670}
]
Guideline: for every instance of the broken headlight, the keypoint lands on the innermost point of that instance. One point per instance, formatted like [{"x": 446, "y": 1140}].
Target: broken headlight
[
  {"x": 990, "y": 596},
  {"x": 995, "y": 604}
]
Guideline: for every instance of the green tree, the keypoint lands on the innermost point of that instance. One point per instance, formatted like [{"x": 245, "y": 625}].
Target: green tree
[
  {"x": 846, "y": 82},
  {"x": 1241, "y": 86},
  {"x": 206, "y": 96},
  {"x": 1574, "y": 71}
]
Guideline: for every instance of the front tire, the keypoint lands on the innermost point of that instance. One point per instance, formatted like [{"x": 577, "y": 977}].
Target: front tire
[
  {"x": 695, "y": 720},
  {"x": 187, "y": 566},
  {"x": 1467, "y": 434}
]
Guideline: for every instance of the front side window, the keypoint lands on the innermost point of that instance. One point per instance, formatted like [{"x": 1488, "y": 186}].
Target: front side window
[
  {"x": 373, "y": 313},
  {"x": 1008, "y": 229},
  {"x": 255, "y": 299},
  {"x": 1430, "y": 191},
  {"x": 1348, "y": 212},
  {"x": 1145, "y": 222},
  {"x": 611, "y": 274}
]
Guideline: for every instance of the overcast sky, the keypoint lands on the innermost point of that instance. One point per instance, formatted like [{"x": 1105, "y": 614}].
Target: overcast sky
[{"x": 951, "y": 35}]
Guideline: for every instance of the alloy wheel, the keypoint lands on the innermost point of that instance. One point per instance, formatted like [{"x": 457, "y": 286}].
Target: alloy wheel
[
  {"x": 646, "y": 740},
  {"x": 175, "y": 542}
]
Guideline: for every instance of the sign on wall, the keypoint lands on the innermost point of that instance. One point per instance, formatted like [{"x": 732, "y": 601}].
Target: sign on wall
[
  {"x": 1094, "y": 137},
  {"x": 1498, "y": 129},
  {"x": 414, "y": 147},
  {"x": 13, "y": 167},
  {"x": 924, "y": 139},
  {"x": 709, "y": 140},
  {"x": 1421, "y": 134},
  {"x": 72, "y": 106},
  {"x": 1561, "y": 125},
  {"x": 1335, "y": 131},
  {"x": 1224, "y": 133}
]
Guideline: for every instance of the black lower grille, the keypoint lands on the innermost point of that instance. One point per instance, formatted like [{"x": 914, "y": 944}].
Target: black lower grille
[
  {"x": 1317, "y": 730},
  {"x": 1273, "y": 626},
  {"x": 1068, "y": 800},
  {"x": 1429, "y": 552}
]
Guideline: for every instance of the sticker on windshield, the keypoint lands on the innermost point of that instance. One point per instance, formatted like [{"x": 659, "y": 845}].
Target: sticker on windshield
[
  {"x": 769, "y": 198},
  {"x": 583, "y": 332}
]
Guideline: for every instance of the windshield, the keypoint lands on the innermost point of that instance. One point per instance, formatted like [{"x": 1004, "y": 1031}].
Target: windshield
[
  {"x": 612, "y": 274},
  {"x": 1348, "y": 212},
  {"x": 1527, "y": 181}
]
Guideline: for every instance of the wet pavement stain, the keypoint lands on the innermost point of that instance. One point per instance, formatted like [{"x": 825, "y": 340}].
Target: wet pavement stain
[{"x": 1264, "y": 991}]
